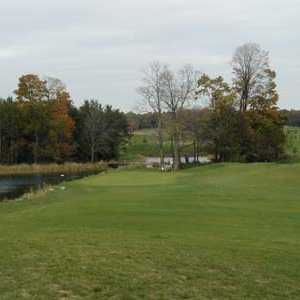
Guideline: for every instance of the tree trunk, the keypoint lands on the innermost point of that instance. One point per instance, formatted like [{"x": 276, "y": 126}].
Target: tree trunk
[
  {"x": 176, "y": 156},
  {"x": 176, "y": 162},
  {"x": 216, "y": 154},
  {"x": 36, "y": 145},
  {"x": 195, "y": 151},
  {"x": 0, "y": 146},
  {"x": 161, "y": 143},
  {"x": 92, "y": 153},
  {"x": 175, "y": 150}
]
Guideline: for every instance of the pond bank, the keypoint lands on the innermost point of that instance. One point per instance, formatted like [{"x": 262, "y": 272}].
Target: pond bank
[
  {"x": 15, "y": 186},
  {"x": 19, "y": 180}
]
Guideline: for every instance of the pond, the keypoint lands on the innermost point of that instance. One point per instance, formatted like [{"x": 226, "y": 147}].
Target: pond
[
  {"x": 14, "y": 186},
  {"x": 169, "y": 160}
]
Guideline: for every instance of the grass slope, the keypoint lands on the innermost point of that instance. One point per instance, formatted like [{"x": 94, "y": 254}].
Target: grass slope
[
  {"x": 215, "y": 232},
  {"x": 144, "y": 143},
  {"x": 293, "y": 141}
]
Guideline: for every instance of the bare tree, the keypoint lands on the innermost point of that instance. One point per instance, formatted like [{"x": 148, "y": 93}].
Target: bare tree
[
  {"x": 179, "y": 90},
  {"x": 92, "y": 126},
  {"x": 193, "y": 125},
  {"x": 152, "y": 93},
  {"x": 250, "y": 64},
  {"x": 54, "y": 87}
]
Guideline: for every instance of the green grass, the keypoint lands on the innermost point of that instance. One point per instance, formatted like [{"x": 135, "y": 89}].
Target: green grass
[
  {"x": 228, "y": 231},
  {"x": 144, "y": 143}
]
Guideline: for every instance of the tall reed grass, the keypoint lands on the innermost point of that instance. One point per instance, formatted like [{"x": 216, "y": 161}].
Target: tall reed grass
[{"x": 26, "y": 169}]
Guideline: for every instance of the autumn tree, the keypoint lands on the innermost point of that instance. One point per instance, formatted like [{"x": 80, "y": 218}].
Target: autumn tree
[
  {"x": 44, "y": 106},
  {"x": 244, "y": 122},
  {"x": 31, "y": 89},
  {"x": 266, "y": 136},
  {"x": 221, "y": 128},
  {"x": 261, "y": 124},
  {"x": 31, "y": 95},
  {"x": 62, "y": 124},
  {"x": 215, "y": 90}
]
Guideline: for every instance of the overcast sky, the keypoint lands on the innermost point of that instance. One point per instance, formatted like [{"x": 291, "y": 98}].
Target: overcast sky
[{"x": 99, "y": 47}]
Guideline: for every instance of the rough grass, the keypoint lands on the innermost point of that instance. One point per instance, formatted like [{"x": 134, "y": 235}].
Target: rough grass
[{"x": 216, "y": 232}]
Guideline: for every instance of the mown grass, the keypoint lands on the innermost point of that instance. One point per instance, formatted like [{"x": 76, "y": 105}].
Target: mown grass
[{"x": 227, "y": 231}]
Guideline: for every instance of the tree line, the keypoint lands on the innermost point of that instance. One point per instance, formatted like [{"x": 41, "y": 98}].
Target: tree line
[
  {"x": 41, "y": 124},
  {"x": 240, "y": 121},
  {"x": 237, "y": 121},
  {"x": 292, "y": 117},
  {"x": 148, "y": 120}
]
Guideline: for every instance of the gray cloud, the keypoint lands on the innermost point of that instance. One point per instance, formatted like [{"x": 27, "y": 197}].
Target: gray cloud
[{"x": 99, "y": 47}]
